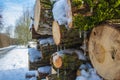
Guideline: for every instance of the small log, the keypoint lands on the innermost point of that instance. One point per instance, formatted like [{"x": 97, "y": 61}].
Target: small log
[
  {"x": 65, "y": 37},
  {"x": 104, "y": 50},
  {"x": 43, "y": 18},
  {"x": 68, "y": 59}
]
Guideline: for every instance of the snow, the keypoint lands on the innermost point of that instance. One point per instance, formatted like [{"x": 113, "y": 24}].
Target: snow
[
  {"x": 46, "y": 41},
  {"x": 80, "y": 54},
  {"x": 60, "y": 12},
  {"x": 34, "y": 54},
  {"x": 45, "y": 69},
  {"x": 32, "y": 73},
  {"x": 14, "y": 65},
  {"x": 88, "y": 73}
]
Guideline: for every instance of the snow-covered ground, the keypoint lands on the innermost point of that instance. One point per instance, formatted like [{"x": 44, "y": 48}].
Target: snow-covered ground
[{"x": 14, "y": 65}]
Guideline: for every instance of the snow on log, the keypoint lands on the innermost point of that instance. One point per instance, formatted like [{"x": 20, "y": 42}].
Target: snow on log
[
  {"x": 34, "y": 55},
  {"x": 31, "y": 74},
  {"x": 44, "y": 71},
  {"x": 65, "y": 37},
  {"x": 64, "y": 58},
  {"x": 104, "y": 50},
  {"x": 62, "y": 12},
  {"x": 46, "y": 41}
]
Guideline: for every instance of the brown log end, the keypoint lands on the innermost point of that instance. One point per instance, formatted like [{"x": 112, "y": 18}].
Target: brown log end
[
  {"x": 37, "y": 11},
  {"x": 104, "y": 50},
  {"x": 57, "y": 61},
  {"x": 69, "y": 14},
  {"x": 56, "y": 33}
]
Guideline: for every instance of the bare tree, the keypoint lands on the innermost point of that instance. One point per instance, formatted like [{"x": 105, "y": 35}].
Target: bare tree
[
  {"x": 22, "y": 32},
  {"x": 1, "y": 17}
]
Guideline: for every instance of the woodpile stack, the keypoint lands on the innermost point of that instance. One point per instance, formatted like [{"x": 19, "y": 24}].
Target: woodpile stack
[{"x": 64, "y": 34}]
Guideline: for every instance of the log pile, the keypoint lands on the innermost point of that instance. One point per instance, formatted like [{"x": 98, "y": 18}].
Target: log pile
[{"x": 67, "y": 61}]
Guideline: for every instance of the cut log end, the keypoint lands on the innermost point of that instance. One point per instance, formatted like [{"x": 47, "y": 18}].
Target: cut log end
[
  {"x": 56, "y": 33},
  {"x": 69, "y": 14},
  {"x": 57, "y": 62},
  {"x": 104, "y": 50},
  {"x": 37, "y": 14}
]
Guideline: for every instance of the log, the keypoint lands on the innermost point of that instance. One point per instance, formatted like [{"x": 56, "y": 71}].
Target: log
[
  {"x": 67, "y": 59},
  {"x": 65, "y": 37},
  {"x": 35, "y": 35},
  {"x": 43, "y": 18},
  {"x": 47, "y": 48},
  {"x": 104, "y": 50}
]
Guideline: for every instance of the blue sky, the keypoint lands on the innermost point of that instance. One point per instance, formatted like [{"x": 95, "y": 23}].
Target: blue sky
[{"x": 13, "y": 9}]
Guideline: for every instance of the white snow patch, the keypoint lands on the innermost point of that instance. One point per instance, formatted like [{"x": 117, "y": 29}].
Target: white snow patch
[
  {"x": 14, "y": 65},
  {"x": 88, "y": 73},
  {"x": 34, "y": 55},
  {"x": 60, "y": 12},
  {"x": 46, "y": 41},
  {"x": 45, "y": 69}
]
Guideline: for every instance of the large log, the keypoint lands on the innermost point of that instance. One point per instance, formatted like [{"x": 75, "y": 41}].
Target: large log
[
  {"x": 104, "y": 50},
  {"x": 65, "y": 37},
  {"x": 43, "y": 17}
]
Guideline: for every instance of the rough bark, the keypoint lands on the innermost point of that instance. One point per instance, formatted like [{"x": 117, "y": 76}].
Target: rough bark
[
  {"x": 104, "y": 50},
  {"x": 65, "y": 37}
]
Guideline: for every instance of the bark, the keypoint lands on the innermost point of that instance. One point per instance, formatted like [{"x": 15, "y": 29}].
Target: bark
[{"x": 65, "y": 37}]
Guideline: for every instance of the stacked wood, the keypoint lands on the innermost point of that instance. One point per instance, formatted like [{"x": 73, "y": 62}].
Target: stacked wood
[
  {"x": 67, "y": 38},
  {"x": 104, "y": 50},
  {"x": 43, "y": 17},
  {"x": 36, "y": 65},
  {"x": 47, "y": 48},
  {"x": 67, "y": 61}
]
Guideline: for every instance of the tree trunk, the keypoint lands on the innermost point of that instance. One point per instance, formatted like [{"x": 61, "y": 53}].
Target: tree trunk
[
  {"x": 104, "y": 50},
  {"x": 65, "y": 37},
  {"x": 43, "y": 18}
]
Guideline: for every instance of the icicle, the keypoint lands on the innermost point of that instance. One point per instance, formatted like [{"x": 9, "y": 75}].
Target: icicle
[{"x": 58, "y": 75}]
